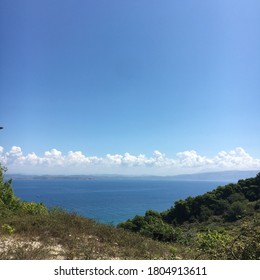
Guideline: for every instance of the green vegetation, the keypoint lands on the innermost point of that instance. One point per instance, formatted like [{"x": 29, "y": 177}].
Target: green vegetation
[
  {"x": 221, "y": 224},
  {"x": 31, "y": 231},
  {"x": 10, "y": 204}
]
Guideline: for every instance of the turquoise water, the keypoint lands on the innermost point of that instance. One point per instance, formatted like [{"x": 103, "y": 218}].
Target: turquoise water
[{"x": 110, "y": 200}]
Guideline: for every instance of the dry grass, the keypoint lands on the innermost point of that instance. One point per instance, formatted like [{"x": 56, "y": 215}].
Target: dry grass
[{"x": 62, "y": 235}]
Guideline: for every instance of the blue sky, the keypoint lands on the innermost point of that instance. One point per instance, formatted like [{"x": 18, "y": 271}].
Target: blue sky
[{"x": 129, "y": 77}]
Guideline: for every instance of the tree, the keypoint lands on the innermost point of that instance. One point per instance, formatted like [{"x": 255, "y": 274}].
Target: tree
[
  {"x": 9, "y": 202},
  {"x": 7, "y": 197},
  {"x": 236, "y": 211},
  {"x": 181, "y": 211}
]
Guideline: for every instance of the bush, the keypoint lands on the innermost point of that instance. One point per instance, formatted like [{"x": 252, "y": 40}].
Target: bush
[
  {"x": 236, "y": 211},
  {"x": 160, "y": 231},
  {"x": 213, "y": 243},
  {"x": 8, "y": 229},
  {"x": 34, "y": 208},
  {"x": 257, "y": 205}
]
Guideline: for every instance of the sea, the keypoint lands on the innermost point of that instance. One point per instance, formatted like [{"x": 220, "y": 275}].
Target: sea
[{"x": 110, "y": 201}]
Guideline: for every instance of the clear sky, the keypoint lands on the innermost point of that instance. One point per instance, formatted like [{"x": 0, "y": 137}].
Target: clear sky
[{"x": 129, "y": 86}]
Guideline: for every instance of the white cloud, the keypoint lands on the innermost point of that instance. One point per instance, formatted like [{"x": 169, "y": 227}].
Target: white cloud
[
  {"x": 52, "y": 158},
  {"x": 32, "y": 159},
  {"x": 114, "y": 159},
  {"x": 74, "y": 162},
  {"x": 238, "y": 158},
  {"x": 15, "y": 152},
  {"x": 158, "y": 154},
  {"x": 53, "y": 154},
  {"x": 78, "y": 158},
  {"x": 192, "y": 159},
  {"x": 14, "y": 156}
]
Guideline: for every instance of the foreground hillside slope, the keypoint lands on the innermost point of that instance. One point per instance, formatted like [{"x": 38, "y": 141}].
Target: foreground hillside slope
[
  {"x": 31, "y": 231},
  {"x": 222, "y": 224}
]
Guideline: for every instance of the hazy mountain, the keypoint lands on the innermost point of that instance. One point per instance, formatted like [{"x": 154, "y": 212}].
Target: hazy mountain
[
  {"x": 232, "y": 175},
  {"x": 229, "y": 176}
]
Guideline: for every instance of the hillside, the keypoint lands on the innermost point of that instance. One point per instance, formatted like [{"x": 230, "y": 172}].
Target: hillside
[
  {"x": 229, "y": 176},
  {"x": 221, "y": 224},
  {"x": 29, "y": 230}
]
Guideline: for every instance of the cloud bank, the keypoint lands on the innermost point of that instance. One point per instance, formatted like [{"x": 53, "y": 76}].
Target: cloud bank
[{"x": 75, "y": 162}]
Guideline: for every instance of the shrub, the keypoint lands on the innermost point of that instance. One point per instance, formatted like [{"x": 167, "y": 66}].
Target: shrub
[
  {"x": 236, "y": 211},
  {"x": 34, "y": 208},
  {"x": 213, "y": 243},
  {"x": 8, "y": 229}
]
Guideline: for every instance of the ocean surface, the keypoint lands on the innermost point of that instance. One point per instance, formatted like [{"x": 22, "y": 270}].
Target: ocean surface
[{"x": 110, "y": 200}]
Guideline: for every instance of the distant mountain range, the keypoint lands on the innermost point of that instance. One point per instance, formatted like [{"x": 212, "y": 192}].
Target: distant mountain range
[
  {"x": 232, "y": 175},
  {"x": 228, "y": 176}
]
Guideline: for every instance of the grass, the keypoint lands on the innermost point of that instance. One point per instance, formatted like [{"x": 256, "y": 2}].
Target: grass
[{"x": 62, "y": 235}]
